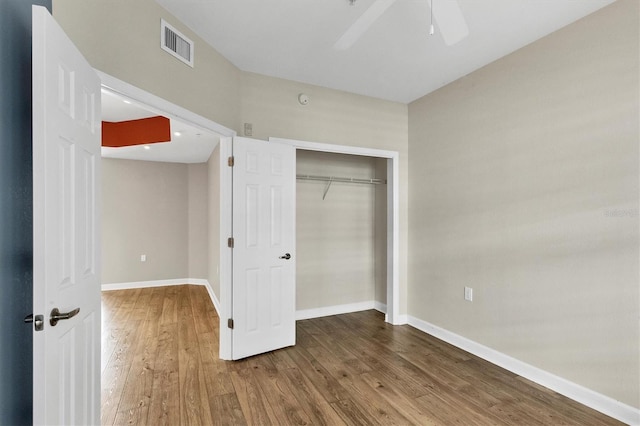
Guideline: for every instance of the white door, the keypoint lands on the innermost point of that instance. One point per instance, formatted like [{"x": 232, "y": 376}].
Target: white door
[
  {"x": 66, "y": 231},
  {"x": 264, "y": 247}
]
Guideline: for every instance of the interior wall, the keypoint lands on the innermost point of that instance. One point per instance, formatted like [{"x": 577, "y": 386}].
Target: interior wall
[
  {"x": 335, "y": 237},
  {"x": 332, "y": 117},
  {"x": 213, "y": 166},
  {"x": 198, "y": 220},
  {"x": 145, "y": 211},
  {"x": 524, "y": 186},
  {"x": 380, "y": 231},
  {"x": 122, "y": 39},
  {"x": 16, "y": 211}
]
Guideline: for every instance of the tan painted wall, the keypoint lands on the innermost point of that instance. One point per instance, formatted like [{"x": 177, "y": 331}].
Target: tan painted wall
[
  {"x": 122, "y": 39},
  {"x": 336, "y": 237},
  {"x": 214, "y": 220},
  {"x": 334, "y": 117},
  {"x": 145, "y": 211},
  {"x": 380, "y": 233},
  {"x": 198, "y": 221},
  {"x": 524, "y": 186}
]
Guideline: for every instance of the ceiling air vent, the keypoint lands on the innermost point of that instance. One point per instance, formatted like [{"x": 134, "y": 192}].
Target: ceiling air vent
[{"x": 174, "y": 42}]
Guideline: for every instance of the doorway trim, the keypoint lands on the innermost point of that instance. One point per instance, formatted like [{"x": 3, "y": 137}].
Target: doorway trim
[
  {"x": 168, "y": 109},
  {"x": 393, "y": 212},
  {"x": 161, "y": 106}
]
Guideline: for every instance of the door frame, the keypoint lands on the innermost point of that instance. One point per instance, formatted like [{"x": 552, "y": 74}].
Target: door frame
[
  {"x": 161, "y": 106},
  {"x": 393, "y": 212},
  {"x": 171, "y": 110}
]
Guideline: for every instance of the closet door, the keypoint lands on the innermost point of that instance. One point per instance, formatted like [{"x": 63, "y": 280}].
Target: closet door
[{"x": 264, "y": 177}]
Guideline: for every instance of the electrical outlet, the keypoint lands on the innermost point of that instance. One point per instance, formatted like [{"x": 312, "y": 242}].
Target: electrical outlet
[
  {"x": 468, "y": 294},
  {"x": 143, "y": 258},
  {"x": 248, "y": 129}
]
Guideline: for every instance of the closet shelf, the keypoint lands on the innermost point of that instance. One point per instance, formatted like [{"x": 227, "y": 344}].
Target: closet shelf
[
  {"x": 331, "y": 179},
  {"x": 341, "y": 179}
]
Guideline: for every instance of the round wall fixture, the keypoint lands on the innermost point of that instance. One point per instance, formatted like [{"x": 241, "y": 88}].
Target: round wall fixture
[{"x": 303, "y": 99}]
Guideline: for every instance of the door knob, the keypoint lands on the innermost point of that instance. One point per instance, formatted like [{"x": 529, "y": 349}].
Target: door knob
[
  {"x": 56, "y": 315},
  {"x": 286, "y": 256}
]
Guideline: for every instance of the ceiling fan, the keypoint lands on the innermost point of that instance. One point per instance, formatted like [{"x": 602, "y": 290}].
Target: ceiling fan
[{"x": 447, "y": 13}]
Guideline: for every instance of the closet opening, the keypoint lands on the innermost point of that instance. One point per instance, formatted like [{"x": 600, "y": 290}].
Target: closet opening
[
  {"x": 332, "y": 254},
  {"x": 341, "y": 233}
]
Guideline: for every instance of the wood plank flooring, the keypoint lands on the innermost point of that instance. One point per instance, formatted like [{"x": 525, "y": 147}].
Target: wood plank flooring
[{"x": 160, "y": 367}]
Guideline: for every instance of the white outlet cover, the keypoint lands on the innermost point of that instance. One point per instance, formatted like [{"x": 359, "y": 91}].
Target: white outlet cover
[{"x": 468, "y": 294}]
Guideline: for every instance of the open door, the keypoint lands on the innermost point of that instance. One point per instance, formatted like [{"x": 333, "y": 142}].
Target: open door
[
  {"x": 264, "y": 178},
  {"x": 66, "y": 231}
]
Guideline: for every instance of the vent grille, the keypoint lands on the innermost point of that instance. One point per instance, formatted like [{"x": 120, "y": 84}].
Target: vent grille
[{"x": 176, "y": 43}]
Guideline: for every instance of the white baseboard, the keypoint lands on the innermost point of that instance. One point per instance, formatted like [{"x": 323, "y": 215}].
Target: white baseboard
[
  {"x": 334, "y": 310},
  {"x": 380, "y": 307},
  {"x": 401, "y": 319},
  {"x": 595, "y": 400},
  {"x": 144, "y": 284},
  {"x": 164, "y": 283},
  {"x": 213, "y": 297}
]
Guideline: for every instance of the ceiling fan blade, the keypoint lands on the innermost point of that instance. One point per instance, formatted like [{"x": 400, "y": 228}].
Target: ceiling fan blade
[
  {"x": 362, "y": 24},
  {"x": 451, "y": 22}
]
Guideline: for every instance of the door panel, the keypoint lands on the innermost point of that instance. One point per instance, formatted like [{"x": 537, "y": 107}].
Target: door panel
[
  {"x": 66, "y": 266},
  {"x": 264, "y": 230}
]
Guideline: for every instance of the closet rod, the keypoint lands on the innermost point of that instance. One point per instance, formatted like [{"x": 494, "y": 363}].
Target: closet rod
[{"x": 342, "y": 179}]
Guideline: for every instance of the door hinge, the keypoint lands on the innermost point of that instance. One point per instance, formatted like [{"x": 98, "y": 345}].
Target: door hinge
[
  {"x": 230, "y": 242},
  {"x": 230, "y": 323},
  {"x": 231, "y": 161}
]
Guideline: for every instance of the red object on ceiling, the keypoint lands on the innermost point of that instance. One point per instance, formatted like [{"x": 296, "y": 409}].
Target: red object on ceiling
[{"x": 136, "y": 132}]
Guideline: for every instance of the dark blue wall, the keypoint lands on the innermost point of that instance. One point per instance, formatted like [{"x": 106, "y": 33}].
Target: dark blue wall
[{"x": 16, "y": 248}]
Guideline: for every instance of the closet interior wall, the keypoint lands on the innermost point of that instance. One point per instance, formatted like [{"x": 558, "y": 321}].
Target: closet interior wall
[{"x": 341, "y": 239}]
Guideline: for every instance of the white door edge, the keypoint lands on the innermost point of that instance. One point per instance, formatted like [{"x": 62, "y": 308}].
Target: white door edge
[{"x": 226, "y": 259}]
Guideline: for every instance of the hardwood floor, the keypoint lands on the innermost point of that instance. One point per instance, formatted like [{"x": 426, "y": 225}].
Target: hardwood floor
[{"x": 161, "y": 367}]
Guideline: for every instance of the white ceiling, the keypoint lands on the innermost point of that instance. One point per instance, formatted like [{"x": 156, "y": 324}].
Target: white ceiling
[
  {"x": 395, "y": 59},
  {"x": 192, "y": 145}
]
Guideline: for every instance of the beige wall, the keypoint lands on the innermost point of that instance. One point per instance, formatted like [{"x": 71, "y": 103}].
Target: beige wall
[
  {"x": 145, "y": 211},
  {"x": 334, "y": 117},
  {"x": 213, "y": 167},
  {"x": 122, "y": 39},
  {"x": 381, "y": 230},
  {"x": 336, "y": 237},
  {"x": 524, "y": 186},
  {"x": 198, "y": 221}
]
